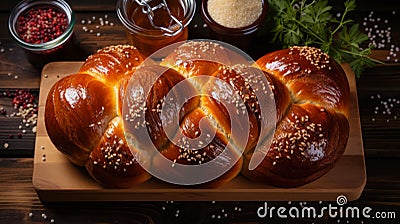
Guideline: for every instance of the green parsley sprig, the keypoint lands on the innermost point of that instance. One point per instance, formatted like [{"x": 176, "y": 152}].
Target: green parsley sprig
[{"x": 311, "y": 23}]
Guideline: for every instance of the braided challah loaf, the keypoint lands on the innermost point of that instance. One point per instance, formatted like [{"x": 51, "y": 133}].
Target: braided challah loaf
[{"x": 310, "y": 92}]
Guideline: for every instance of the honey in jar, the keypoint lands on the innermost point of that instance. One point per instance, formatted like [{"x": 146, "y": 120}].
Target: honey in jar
[{"x": 154, "y": 24}]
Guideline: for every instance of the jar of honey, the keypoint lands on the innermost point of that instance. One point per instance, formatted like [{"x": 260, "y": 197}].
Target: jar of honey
[{"x": 154, "y": 24}]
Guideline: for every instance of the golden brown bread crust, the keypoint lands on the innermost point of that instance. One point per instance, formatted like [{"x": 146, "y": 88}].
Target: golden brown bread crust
[
  {"x": 113, "y": 63},
  {"x": 111, "y": 161},
  {"x": 312, "y": 126},
  {"x": 84, "y": 113},
  {"x": 306, "y": 145},
  {"x": 78, "y": 109},
  {"x": 197, "y": 58},
  {"x": 310, "y": 75},
  {"x": 83, "y": 117},
  {"x": 177, "y": 150},
  {"x": 313, "y": 134}
]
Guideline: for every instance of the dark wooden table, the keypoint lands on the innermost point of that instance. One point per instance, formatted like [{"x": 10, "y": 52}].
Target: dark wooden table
[{"x": 381, "y": 134}]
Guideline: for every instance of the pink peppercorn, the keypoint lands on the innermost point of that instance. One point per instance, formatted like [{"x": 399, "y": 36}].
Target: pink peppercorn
[{"x": 38, "y": 26}]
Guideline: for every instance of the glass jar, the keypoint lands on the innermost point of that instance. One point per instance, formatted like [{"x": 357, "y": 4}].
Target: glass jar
[
  {"x": 153, "y": 26},
  {"x": 240, "y": 37},
  {"x": 40, "y": 53}
]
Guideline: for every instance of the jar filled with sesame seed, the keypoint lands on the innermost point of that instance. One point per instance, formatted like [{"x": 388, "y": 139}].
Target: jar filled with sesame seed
[
  {"x": 234, "y": 21},
  {"x": 42, "y": 28},
  {"x": 153, "y": 24}
]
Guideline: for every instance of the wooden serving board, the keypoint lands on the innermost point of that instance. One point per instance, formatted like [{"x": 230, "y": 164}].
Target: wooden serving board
[{"x": 56, "y": 179}]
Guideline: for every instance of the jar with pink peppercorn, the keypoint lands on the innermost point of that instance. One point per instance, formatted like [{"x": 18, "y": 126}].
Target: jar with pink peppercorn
[{"x": 42, "y": 28}]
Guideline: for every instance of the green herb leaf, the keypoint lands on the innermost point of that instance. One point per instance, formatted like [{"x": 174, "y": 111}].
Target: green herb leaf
[{"x": 311, "y": 23}]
